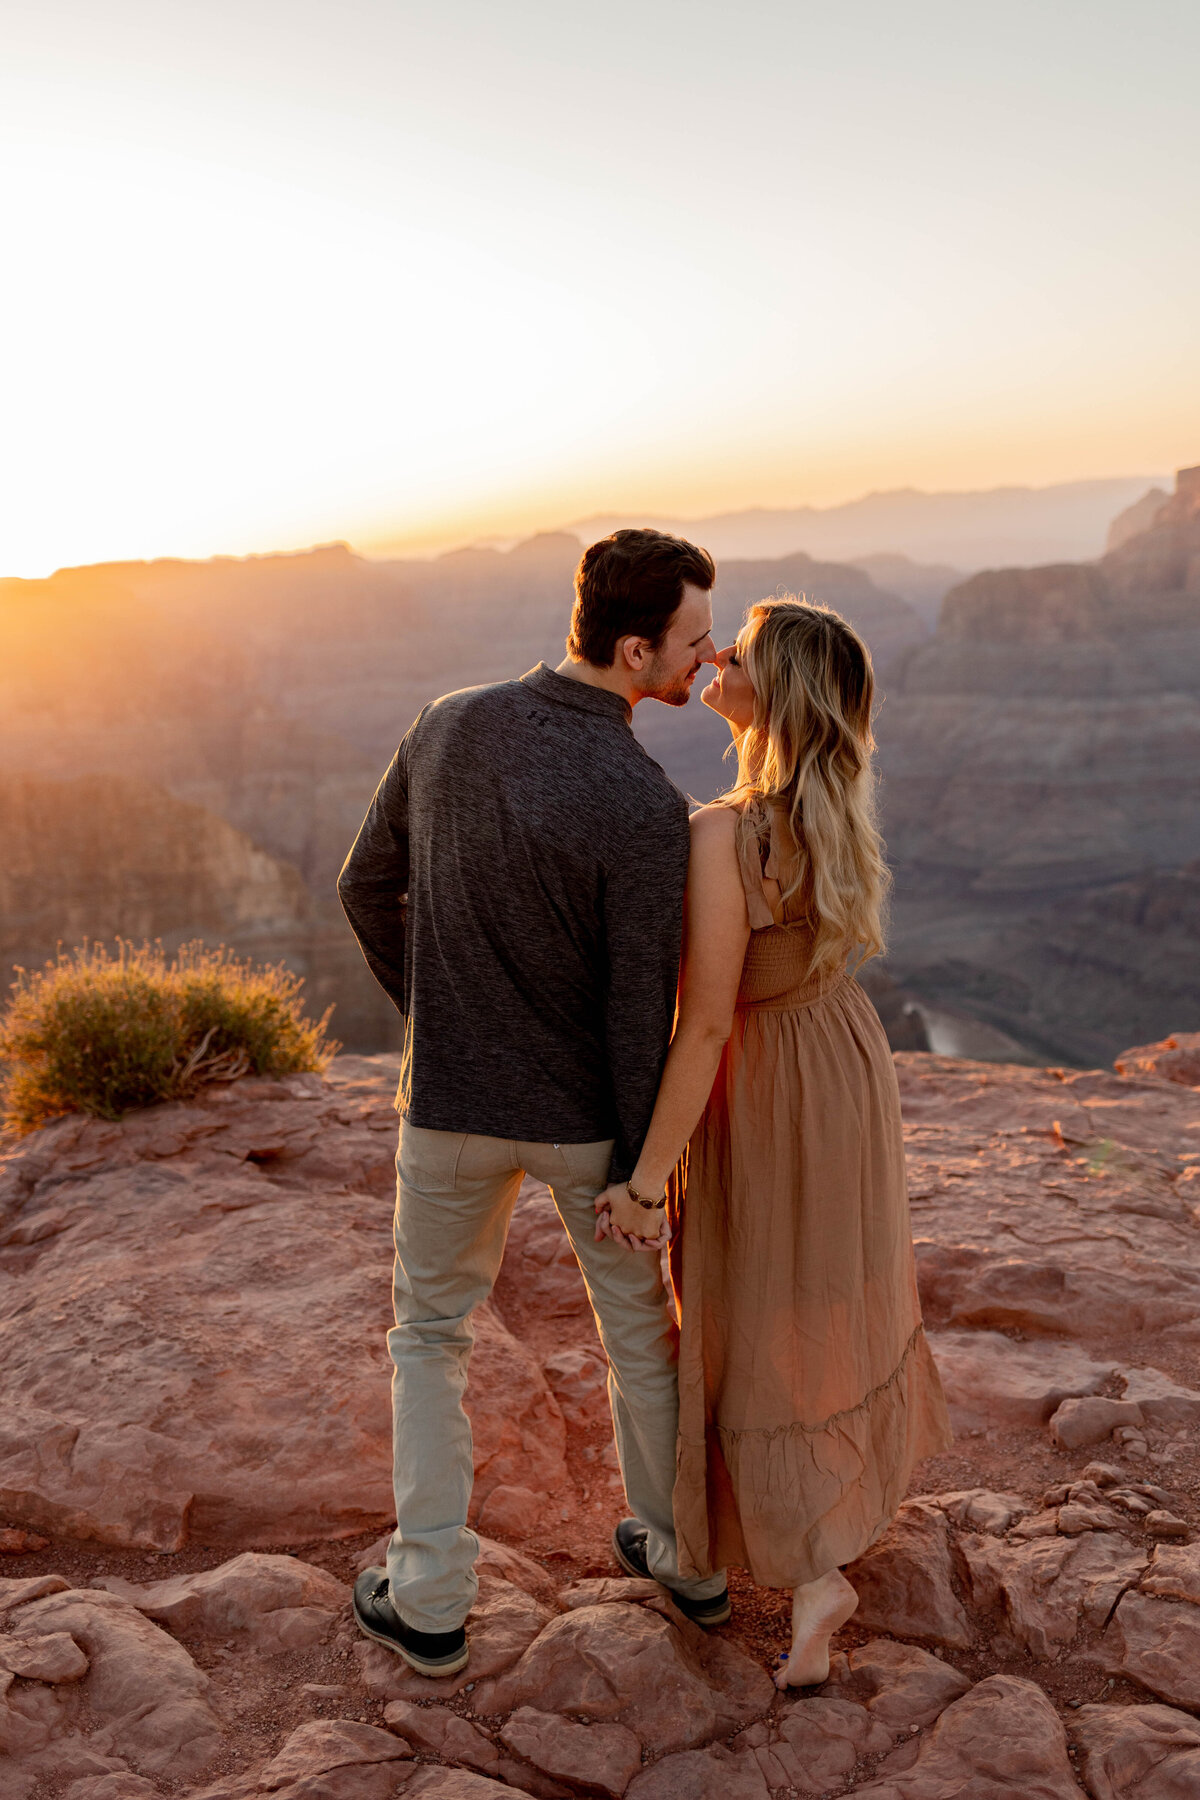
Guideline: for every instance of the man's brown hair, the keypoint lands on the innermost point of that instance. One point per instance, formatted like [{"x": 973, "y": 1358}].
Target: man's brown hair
[{"x": 630, "y": 585}]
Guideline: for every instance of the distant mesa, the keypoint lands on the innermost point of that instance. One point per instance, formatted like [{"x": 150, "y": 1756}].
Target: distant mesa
[
  {"x": 1136, "y": 518},
  {"x": 991, "y": 528}
]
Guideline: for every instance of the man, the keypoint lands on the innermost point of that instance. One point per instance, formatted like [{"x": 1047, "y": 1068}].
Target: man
[{"x": 517, "y": 889}]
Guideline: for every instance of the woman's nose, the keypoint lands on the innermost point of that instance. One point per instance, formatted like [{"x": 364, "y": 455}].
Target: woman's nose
[{"x": 721, "y": 657}]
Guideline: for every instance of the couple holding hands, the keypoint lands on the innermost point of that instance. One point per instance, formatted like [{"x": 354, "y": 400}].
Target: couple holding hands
[{"x": 653, "y": 1015}]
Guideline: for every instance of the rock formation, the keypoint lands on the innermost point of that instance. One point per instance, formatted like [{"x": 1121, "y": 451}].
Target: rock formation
[
  {"x": 1040, "y": 759},
  {"x": 103, "y": 857},
  {"x": 107, "y": 856},
  {"x": 1136, "y": 518},
  {"x": 194, "y": 1460}
]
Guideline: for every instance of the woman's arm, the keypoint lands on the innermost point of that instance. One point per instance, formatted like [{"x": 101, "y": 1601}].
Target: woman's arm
[{"x": 715, "y": 934}]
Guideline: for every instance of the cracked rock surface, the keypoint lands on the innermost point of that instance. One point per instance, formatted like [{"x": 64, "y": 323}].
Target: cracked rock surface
[{"x": 195, "y": 1456}]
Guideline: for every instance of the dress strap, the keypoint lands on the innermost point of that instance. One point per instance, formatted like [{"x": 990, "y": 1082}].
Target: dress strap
[{"x": 750, "y": 862}]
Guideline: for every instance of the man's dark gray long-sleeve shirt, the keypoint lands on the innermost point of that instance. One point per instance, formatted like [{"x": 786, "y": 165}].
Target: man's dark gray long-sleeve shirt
[{"x": 544, "y": 856}]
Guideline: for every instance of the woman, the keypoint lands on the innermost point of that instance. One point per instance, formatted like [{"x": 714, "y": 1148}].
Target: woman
[{"x": 807, "y": 1391}]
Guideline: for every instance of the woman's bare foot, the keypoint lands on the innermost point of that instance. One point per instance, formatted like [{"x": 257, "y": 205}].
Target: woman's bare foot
[{"x": 818, "y": 1608}]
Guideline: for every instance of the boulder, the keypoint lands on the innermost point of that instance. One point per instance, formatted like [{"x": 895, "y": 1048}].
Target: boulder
[
  {"x": 981, "y": 1509},
  {"x": 442, "y": 1733},
  {"x": 282, "y": 1602},
  {"x": 1074, "y": 1520},
  {"x": 1157, "y": 1643},
  {"x": 900, "y": 1685},
  {"x": 1077, "y": 1424},
  {"x": 1001, "y": 1740},
  {"x": 1174, "y": 1573},
  {"x": 1037, "y": 1525},
  {"x": 14, "y": 1542},
  {"x": 1166, "y": 1525},
  {"x": 53, "y": 1658},
  {"x": 506, "y": 1564},
  {"x": 320, "y": 1745},
  {"x": 1041, "y": 1590},
  {"x": 629, "y": 1665},
  {"x": 1175, "y": 1058},
  {"x": 1104, "y": 1475},
  {"x": 595, "y": 1759},
  {"x": 16, "y": 1590},
  {"x": 516, "y": 1511},
  {"x": 1162, "y": 1401},
  {"x": 817, "y": 1741},
  {"x": 904, "y": 1581},
  {"x": 1138, "y": 1752},
  {"x": 700, "y": 1775},
  {"x": 578, "y": 1377},
  {"x": 143, "y": 1687},
  {"x": 990, "y": 1380}
]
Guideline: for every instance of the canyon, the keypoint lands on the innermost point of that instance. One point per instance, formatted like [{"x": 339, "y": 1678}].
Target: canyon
[
  {"x": 1041, "y": 758},
  {"x": 1039, "y": 735}
]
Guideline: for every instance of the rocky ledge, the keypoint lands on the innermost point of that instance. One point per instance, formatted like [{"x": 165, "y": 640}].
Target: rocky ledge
[{"x": 194, "y": 1461}]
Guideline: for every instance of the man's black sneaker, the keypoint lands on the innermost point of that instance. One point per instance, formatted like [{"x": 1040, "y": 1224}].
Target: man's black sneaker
[
  {"x": 629, "y": 1548},
  {"x": 428, "y": 1652}
]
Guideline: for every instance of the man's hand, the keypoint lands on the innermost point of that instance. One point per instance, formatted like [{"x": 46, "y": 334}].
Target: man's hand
[{"x": 627, "y": 1223}]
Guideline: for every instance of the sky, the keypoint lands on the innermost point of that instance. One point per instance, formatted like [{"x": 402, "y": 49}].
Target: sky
[{"x": 414, "y": 274}]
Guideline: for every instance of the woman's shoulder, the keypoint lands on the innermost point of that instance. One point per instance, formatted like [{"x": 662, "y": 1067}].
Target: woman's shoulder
[
  {"x": 715, "y": 847},
  {"x": 714, "y": 822}
]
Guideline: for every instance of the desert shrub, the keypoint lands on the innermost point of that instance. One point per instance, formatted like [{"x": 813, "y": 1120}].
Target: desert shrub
[{"x": 103, "y": 1032}]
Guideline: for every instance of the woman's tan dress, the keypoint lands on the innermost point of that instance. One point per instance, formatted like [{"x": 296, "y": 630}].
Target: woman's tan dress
[{"x": 807, "y": 1391}]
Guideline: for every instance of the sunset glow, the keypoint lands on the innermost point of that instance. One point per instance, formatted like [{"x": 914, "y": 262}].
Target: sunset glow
[{"x": 407, "y": 275}]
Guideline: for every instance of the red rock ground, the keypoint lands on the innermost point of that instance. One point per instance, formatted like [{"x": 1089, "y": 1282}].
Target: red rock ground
[{"x": 192, "y": 1307}]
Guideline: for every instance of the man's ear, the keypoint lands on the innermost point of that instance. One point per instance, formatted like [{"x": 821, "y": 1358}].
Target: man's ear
[{"x": 634, "y": 652}]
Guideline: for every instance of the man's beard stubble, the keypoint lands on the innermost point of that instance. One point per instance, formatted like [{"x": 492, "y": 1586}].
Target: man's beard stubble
[{"x": 675, "y": 693}]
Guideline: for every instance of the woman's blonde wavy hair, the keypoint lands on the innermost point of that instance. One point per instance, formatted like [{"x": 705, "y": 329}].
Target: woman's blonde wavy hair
[{"x": 808, "y": 756}]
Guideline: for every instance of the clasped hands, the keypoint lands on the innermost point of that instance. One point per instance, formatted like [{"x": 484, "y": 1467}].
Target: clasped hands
[{"x": 627, "y": 1223}]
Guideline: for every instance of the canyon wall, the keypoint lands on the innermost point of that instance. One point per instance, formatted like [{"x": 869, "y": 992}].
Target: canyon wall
[
  {"x": 102, "y": 857},
  {"x": 1041, "y": 759}
]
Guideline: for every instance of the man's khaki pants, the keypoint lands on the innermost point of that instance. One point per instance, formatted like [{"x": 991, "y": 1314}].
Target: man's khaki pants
[{"x": 454, "y": 1198}]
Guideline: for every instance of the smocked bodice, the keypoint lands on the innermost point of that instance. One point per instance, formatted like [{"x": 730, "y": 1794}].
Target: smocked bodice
[{"x": 776, "y": 973}]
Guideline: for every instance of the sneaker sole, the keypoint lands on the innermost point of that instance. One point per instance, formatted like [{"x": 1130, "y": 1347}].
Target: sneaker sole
[
  {"x": 450, "y": 1665},
  {"x": 718, "y": 1616}
]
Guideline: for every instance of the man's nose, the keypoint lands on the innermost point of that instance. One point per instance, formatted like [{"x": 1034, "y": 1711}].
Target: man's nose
[{"x": 707, "y": 653}]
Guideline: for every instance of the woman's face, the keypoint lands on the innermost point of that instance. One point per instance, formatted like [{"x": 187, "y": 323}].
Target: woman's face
[{"x": 730, "y": 693}]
